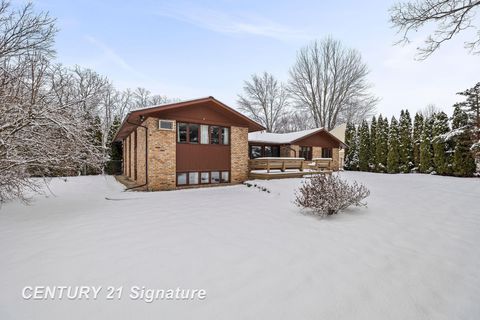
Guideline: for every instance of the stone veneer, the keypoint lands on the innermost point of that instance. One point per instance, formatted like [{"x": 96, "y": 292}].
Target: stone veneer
[{"x": 238, "y": 154}]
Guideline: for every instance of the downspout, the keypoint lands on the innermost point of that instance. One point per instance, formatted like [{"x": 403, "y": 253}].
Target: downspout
[{"x": 146, "y": 155}]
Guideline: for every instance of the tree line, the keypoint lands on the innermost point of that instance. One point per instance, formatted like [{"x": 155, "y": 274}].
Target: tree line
[
  {"x": 54, "y": 120},
  {"x": 433, "y": 143}
]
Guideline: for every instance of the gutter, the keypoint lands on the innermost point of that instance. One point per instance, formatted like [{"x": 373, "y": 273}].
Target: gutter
[{"x": 146, "y": 155}]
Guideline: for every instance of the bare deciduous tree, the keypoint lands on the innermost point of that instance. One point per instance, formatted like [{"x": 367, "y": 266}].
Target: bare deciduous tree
[
  {"x": 429, "y": 111},
  {"x": 449, "y": 16},
  {"x": 265, "y": 99},
  {"x": 22, "y": 30},
  {"x": 358, "y": 110},
  {"x": 330, "y": 81},
  {"x": 42, "y": 127},
  {"x": 142, "y": 97},
  {"x": 295, "y": 120}
]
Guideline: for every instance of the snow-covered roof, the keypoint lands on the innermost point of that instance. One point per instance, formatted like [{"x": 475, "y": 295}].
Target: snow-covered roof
[
  {"x": 339, "y": 132},
  {"x": 268, "y": 137}
]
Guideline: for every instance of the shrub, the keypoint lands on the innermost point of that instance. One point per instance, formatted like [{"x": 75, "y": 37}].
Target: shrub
[{"x": 328, "y": 194}]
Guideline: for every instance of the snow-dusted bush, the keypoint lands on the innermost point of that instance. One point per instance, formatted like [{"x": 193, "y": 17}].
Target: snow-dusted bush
[{"x": 328, "y": 194}]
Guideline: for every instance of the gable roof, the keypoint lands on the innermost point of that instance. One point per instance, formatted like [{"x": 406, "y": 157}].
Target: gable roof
[
  {"x": 131, "y": 120},
  {"x": 287, "y": 138}
]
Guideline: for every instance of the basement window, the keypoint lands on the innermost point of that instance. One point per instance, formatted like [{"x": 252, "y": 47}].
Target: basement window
[
  {"x": 205, "y": 177},
  {"x": 215, "y": 177},
  {"x": 193, "y": 178},
  {"x": 225, "y": 177},
  {"x": 181, "y": 179}
]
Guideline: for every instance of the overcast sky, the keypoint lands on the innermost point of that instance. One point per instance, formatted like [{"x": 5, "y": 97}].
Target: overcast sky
[{"x": 200, "y": 48}]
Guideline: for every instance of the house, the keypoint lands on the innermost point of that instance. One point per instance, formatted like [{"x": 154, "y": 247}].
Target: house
[
  {"x": 308, "y": 144},
  {"x": 196, "y": 142},
  {"x": 204, "y": 142}
]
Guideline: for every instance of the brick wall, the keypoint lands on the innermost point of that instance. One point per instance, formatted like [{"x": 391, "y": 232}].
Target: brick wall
[
  {"x": 316, "y": 152},
  {"x": 131, "y": 155},
  {"x": 124, "y": 157},
  {"x": 141, "y": 138},
  {"x": 336, "y": 158},
  {"x": 161, "y": 156},
  {"x": 128, "y": 162},
  {"x": 239, "y": 154}
]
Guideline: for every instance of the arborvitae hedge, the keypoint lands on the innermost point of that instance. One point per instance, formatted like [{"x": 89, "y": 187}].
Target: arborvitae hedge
[
  {"x": 364, "y": 147},
  {"x": 406, "y": 144},
  {"x": 430, "y": 146}
]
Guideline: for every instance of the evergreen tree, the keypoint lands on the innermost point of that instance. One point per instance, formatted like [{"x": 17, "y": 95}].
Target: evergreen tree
[
  {"x": 373, "y": 141},
  {"x": 364, "y": 146},
  {"x": 115, "y": 150},
  {"x": 416, "y": 138},
  {"x": 351, "y": 153},
  {"x": 463, "y": 161},
  {"x": 441, "y": 159},
  {"x": 393, "y": 157},
  {"x": 406, "y": 144},
  {"x": 426, "y": 151},
  {"x": 472, "y": 107},
  {"x": 459, "y": 117},
  {"x": 381, "y": 144}
]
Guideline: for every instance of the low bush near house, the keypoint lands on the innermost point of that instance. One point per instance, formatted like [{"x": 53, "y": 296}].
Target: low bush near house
[{"x": 326, "y": 195}]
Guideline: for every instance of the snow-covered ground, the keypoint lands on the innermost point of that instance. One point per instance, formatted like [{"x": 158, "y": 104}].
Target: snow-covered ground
[{"x": 413, "y": 253}]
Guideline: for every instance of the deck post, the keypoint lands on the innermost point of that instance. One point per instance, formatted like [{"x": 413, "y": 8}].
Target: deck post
[{"x": 283, "y": 166}]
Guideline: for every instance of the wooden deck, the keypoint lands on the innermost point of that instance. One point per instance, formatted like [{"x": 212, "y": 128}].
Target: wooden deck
[
  {"x": 282, "y": 168},
  {"x": 285, "y": 175}
]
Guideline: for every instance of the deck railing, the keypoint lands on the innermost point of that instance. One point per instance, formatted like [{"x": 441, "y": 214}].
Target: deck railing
[
  {"x": 282, "y": 164},
  {"x": 276, "y": 163}
]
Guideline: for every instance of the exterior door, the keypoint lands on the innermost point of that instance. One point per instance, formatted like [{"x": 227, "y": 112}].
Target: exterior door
[{"x": 305, "y": 152}]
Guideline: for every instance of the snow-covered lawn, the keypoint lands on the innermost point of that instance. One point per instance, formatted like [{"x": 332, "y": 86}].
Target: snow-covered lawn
[{"x": 414, "y": 253}]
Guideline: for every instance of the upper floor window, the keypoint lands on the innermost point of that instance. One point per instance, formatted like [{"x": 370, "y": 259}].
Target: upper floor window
[
  {"x": 203, "y": 134},
  {"x": 193, "y": 135},
  {"x": 215, "y": 135},
  {"x": 182, "y": 129}
]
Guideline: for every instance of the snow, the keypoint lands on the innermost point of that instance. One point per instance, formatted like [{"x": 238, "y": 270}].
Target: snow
[
  {"x": 413, "y": 253},
  {"x": 269, "y": 137}
]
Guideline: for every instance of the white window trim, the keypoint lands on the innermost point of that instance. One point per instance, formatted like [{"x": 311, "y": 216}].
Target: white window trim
[{"x": 169, "y": 121}]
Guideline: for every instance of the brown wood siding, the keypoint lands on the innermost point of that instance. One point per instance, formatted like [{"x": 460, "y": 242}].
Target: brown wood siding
[
  {"x": 320, "y": 139},
  {"x": 202, "y": 157},
  {"x": 206, "y": 113}
]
